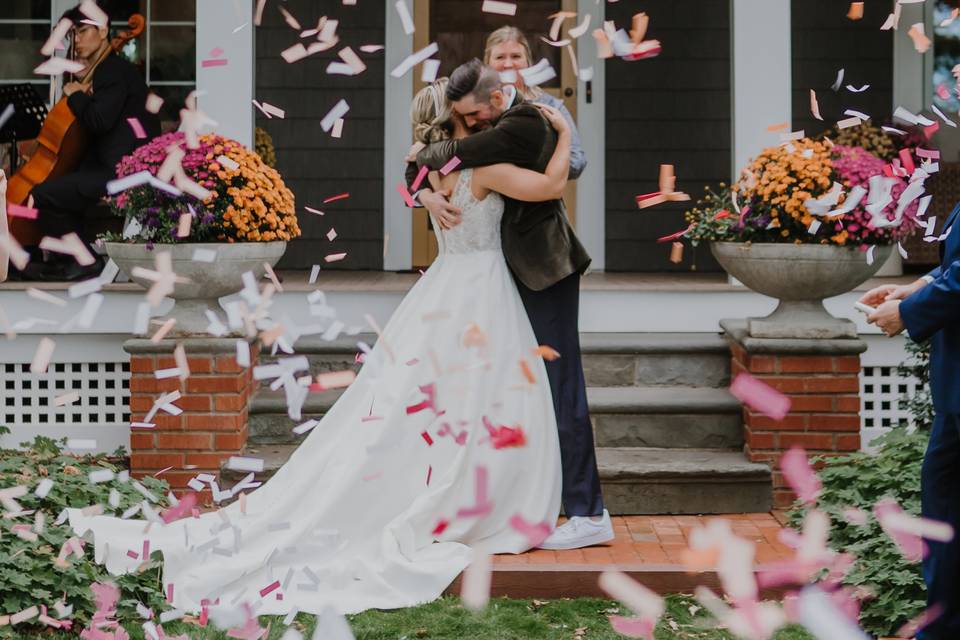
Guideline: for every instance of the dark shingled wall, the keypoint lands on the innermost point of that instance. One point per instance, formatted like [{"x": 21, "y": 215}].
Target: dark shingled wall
[
  {"x": 315, "y": 165},
  {"x": 673, "y": 109},
  {"x": 825, "y": 41}
]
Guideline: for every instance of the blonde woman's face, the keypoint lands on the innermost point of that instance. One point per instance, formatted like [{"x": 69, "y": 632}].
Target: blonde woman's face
[{"x": 508, "y": 55}]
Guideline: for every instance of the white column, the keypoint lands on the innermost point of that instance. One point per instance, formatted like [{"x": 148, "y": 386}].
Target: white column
[
  {"x": 911, "y": 70},
  {"x": 227, "y": 92},
  {"x": 591, "y": 121},
  {"x": 761, "y": 74},
  {"x": 397, "y": 137}
]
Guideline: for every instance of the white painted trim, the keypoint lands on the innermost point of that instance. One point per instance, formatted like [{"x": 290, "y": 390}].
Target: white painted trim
[
  {"x": 397, "y": 136},
  {"x": 760, "y": 48},
  {"x": 645, "y": 310},
  {"x": 226, "y": 93},
  {"x": 591, "y": 121}
]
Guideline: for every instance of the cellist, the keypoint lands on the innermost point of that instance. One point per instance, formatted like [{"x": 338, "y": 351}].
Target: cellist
[{"x": 104, "y": 105}]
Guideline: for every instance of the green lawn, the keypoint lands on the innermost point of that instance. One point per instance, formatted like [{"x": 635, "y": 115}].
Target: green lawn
[{"x": 446, "y": 619}]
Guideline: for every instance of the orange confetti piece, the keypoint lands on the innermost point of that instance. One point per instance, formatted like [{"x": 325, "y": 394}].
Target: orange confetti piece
[{"x": 527, "y": 372}]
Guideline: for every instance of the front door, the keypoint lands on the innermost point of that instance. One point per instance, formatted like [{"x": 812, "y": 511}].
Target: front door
[{"x": 461, "y": 30}]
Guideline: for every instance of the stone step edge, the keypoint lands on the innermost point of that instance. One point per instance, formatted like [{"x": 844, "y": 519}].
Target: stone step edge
[
  {"x": 590, "y": 343},
  {"x": 601, "y": 400},
  {"x": 280, "y": 453}
]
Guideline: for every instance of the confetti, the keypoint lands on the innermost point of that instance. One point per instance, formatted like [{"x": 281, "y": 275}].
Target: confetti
[
  {"x": 501, "y": 8},
  {"x": 406, "y": 20},
  {"x": 475, "y": 585},
  {"x": 41, "y": 357},
  {"x": 800, "y": 475},
  {"x": 760, "y": 396}
]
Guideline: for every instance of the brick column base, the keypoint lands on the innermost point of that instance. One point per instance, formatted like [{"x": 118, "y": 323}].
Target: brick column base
[
  {"x": 822, "y": 380},
  {"x": 214, "y": 400}
]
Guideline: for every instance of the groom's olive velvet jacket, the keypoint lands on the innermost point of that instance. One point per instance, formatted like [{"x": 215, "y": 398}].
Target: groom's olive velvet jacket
[{"x": 538, "y": 242}]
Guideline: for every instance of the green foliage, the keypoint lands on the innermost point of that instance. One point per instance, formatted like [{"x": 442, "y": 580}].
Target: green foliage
[
  {"x": 712, "y": 216},
  {"x": 917, "y": 365},
  {"x": 861, "y": 480},
  {"x": 28, "y": 574}
]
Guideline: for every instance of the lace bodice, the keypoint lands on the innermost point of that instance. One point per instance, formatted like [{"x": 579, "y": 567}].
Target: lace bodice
[{"x": 479, "y": 229}]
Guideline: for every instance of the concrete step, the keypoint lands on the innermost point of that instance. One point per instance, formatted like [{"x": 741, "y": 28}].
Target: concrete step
[
  {"x": 638, "y": 481},
  {"x": 668, "y": 417},
  {"x": 635, "y": 480},
  {"x": 609, "y": 359}
]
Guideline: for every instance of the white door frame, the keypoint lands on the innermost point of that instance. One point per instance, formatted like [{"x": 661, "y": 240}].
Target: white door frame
[{"x": 398, "y": 93}]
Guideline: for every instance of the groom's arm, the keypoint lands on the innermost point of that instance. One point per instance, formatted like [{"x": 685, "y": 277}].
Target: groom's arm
[{"x": 518, "y": 138}]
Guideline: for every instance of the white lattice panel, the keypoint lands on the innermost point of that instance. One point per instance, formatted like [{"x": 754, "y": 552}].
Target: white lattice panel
[
  {"x": 881, "y": 390},
  {"x": 27, "y": 399}
]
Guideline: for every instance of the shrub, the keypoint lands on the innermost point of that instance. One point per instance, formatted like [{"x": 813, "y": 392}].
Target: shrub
[
  {"x": 28, "y": 575},
  {"x": 860, "y": 480}
]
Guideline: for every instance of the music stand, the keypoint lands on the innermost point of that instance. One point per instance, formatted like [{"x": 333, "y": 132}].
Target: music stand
[{"x": 29, "y": 113}]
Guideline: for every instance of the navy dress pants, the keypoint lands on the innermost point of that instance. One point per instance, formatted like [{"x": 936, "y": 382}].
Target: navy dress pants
[
  {"x": 554, "y": 313},
  {"x": 940, "y": 500}
]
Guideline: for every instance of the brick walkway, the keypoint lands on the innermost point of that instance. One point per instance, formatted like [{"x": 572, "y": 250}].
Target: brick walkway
[
  {"x": 660, "y": 540},
  {"x": 648, "y": 548}
]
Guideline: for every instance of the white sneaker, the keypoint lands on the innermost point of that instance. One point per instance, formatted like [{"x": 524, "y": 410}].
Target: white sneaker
[{"x": 579, "y": 532}]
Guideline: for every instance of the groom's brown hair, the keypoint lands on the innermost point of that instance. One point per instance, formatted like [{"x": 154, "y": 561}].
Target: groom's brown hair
[{"x": 473, "y": 77}]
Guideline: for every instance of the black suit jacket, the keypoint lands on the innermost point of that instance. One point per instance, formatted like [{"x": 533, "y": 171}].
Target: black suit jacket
[
  {"x": 119, "y": 93},
  {"x": 538, "y": 242}
]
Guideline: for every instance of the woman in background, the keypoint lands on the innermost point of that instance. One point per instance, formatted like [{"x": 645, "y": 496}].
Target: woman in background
[{"x": 508, "y": 49}]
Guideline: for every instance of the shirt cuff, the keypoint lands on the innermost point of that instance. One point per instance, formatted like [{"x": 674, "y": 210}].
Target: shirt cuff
[{"x": 929, "y": 279}]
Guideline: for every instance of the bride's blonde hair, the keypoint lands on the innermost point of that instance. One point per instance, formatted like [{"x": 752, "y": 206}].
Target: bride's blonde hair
[{"x": 430, "y": 113}]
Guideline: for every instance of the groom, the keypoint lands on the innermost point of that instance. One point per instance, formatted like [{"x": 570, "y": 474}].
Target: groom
[{"x": 546, "y": 259}]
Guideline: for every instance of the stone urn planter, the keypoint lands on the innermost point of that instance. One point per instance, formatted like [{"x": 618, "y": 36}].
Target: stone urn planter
[
  {"x": 800, "y": 276},
  {"x": 202, "y": 284}
]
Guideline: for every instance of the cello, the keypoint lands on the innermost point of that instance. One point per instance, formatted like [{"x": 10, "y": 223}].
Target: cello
[{"x": 60, "y": 145}]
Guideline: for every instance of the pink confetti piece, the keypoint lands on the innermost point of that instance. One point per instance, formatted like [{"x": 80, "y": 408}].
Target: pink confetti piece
[
  {"x": 181, "y": 510},
  {"x": 450, "y": 166},
  {"x": 633, "y": 627},
  {"x": 332, "y": 234},
  {"x": 481, "y": 506},
  {"x": 341, "y": 196},
  {"x": 273, "y": 586},
  {"x": 20, "y": 211},
  {"x": 420, "y": 176},
  {"x": 373, "y": 476},
  {"x": 154, "y": 103},
  {"x": 430, "y": 391},
  {"x": 534, "y": 533},
  {"x": 426, "y": 437},
  {"x": 132, "y": 554},
  {"x": 216, "y": 52},
  {"x": 170, "y": 592},
  {"x": 440, "y": 527},
  {"x": 334, "y": 257},
  {"x": 216, "y": 62},
  {"x": 760, "y": 396},
  {"x": 138, "y": 129},
  {"x": 911, "y": 546},
  {"x": 407, "y": 198},
  {"x": 800, "y": 475}
]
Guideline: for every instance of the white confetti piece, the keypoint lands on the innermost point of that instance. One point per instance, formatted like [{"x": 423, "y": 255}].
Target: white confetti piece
[
  {"x": 475, "y": 589},
  {"x": 405, "y": 18},
  {"x": 204, "y": 255},
  {"x": 338, "y": 111},
  {"x": 240, "y": 463},
  {"x": 501, "y": 8},
  {"x": 41, "y": 357}
]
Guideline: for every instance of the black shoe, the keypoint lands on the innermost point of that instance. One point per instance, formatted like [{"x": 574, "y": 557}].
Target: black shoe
[{"x": 74, "y": 272}]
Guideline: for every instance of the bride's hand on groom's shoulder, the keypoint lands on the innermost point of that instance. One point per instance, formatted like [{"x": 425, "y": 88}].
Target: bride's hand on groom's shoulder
[{"x": 554, "y": 117}]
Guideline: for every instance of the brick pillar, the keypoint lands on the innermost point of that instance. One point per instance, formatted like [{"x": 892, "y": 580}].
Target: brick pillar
[
  {"x": 214, "y": 400},
  {"x": 822, "y": 380}
]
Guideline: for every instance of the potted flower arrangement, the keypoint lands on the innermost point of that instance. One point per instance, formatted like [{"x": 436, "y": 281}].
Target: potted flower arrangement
[
  {"x": 243, "y": 220},
  {"x": 787, "y": 229}
]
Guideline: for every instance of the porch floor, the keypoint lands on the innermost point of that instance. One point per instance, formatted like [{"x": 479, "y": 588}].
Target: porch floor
[
  {"x": 390, "y": 281},
  {"x": 649, "y": 548}
]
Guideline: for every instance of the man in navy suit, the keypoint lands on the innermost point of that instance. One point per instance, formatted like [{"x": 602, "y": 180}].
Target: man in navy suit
[{"x": 929, "y": 309}]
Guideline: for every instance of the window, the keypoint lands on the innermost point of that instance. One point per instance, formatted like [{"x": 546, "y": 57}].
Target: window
[
  {"x": 165, "y": 53},
  {"x": 24, "y": 27},
  {"x": 946, "y": 55}
]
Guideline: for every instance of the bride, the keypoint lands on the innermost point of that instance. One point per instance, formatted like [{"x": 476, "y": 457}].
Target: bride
[{"x": 444, "y": 447}]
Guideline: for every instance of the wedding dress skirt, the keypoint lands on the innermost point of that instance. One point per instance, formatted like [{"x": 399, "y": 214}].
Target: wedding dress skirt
[{"x": 409, "y": 474}]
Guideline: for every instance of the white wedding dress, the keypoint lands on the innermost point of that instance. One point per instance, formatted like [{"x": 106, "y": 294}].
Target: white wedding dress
[{"x": 349, "y": 521}]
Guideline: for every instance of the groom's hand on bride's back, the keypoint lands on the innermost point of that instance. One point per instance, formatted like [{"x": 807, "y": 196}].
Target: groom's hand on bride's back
[{"x": 438, "y": 204}]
